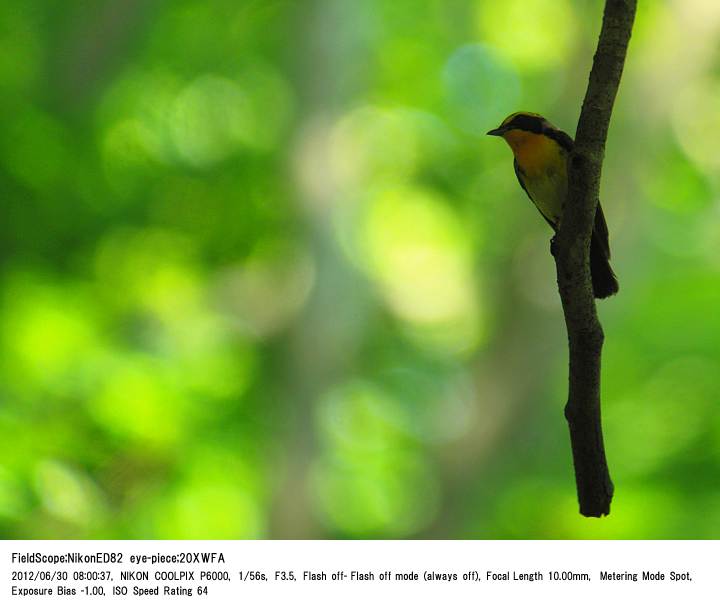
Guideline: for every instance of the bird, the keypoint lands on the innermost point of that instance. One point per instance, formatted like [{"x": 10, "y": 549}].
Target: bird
[{"x": 541, "y": 153}]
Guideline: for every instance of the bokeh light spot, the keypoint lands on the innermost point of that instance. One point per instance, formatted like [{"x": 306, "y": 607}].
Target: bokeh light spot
[
  {"x": 139, "y": 400},
  {"x": 216, "y": 497},
  {"x": 49, "y": 333},
  {"x": 129, "y": 155},
  {"x": 416, "y": 249},
  {"x": 210, "y": 510},
  {"x": 371, "y": 480},
  {"x": 12, "y": 500},
  {"x": 358, "y": 416},
  {"x": 134, "y": 119},
  {"x": 68, "y": 494},
  {"x": 662, "y": 429},
  {"x": 212, "y": 118},
  {"x": 533, "y": 34},
  {"x": 391, "y": 496},
  {"x": 696, "y": 121},
  {"x": 264, "y": 294},
  {"x": 679, "y": 186},
  {"x": 361, "y": 150}
]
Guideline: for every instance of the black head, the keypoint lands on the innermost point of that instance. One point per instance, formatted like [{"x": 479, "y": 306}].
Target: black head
[{"x": 524, "y": 121}]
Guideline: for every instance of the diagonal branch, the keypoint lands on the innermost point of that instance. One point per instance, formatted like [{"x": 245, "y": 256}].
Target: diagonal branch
[{"x": 585, "y": 334}]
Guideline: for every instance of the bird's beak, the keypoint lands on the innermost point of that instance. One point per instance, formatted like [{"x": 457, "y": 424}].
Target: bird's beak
[{"x": 498, "y": 131}]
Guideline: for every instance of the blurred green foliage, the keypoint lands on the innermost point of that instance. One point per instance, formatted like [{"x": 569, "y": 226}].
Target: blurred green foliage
[{"x": 262, "y": 275}]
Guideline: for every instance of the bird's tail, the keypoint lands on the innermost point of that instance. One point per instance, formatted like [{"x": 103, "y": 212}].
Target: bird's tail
[{"x": 603, "y": 279}]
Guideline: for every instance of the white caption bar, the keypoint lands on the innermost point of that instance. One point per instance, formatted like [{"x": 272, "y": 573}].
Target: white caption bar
[{"x": 219, "y": 574}]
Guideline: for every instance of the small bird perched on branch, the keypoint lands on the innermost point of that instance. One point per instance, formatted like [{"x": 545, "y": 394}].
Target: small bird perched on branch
[{"x": 541, "y": 154}]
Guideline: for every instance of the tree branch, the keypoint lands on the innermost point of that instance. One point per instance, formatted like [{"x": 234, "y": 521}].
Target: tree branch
[{"x": 585, "y": 334}]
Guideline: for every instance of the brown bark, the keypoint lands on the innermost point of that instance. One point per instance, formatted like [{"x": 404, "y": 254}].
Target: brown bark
[{"x": 585, "y": 334}]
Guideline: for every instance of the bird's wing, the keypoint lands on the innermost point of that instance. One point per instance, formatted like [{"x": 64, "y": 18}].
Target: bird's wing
[
  {"x": 518, "y": 174},
  {"x": 600, "y": 230},
  {"x": 561, "y": 138}
]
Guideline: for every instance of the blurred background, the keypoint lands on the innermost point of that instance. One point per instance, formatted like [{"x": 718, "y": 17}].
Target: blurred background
[{"x": 264, "y": 276}]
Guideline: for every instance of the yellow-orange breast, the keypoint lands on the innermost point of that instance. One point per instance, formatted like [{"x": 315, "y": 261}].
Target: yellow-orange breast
[
  {"x": 534, "y": 152},
  {"x": 543, "y": 163}
]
